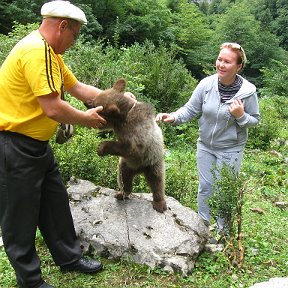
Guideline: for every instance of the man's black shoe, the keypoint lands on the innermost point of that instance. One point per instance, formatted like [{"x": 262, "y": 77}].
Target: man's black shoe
[
  {"x": 83, "y": 265},
  {"x": 43, "y": 285}
]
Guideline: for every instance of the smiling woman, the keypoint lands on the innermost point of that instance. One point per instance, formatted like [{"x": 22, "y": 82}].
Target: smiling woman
[
  {"x": 238, "y": 50},
  {"x": 230, "y": 61},
  {"x": 227, "y": 104}
]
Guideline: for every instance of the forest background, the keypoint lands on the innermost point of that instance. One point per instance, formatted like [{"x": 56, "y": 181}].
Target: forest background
[{"x": 163, "y": 48}]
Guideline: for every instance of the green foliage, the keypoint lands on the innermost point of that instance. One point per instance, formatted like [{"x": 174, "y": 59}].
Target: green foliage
[
  {"x": 181, "y": 175},
  {"x": 269, "y": 172},
  {"x": 178, "y": 25},
  {"x": 19, "y": 11},
  {"x": 219, "y": 6},
  {"x": 145, "y": 20},
  {"x": 227, "y": 196},
  {"x": 273, "y": 15},
  {"x": 281, "y": 23},
  {"x": 133, "y": 21},
  {"x": 165, "y": 79},
  {"x": 191, "y": 35},
  {"x": 275, "y": 80},
  {"x": 272, "y": 110},
  {"x": 78, "y": 158},
  {"x": 93, "y": 29},
  {"x": 180, "y": 135},
  {"x": 152, "y": 74},
  {"x": 204, "y": 6},
  {"x": 8, "y": 42},
  {"x": 226, "y": 202}
]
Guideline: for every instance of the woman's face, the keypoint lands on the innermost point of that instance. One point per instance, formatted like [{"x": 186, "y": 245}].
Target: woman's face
[{"x": 226, "y": 66}]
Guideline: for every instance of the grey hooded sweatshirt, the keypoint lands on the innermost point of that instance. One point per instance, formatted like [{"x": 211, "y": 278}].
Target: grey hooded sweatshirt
[{"x": 218, "y": 129}]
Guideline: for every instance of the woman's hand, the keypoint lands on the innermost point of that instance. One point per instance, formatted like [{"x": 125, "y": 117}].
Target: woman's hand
[
  {"x": 165, "y": 117},
  {"x": 237, "y": 109}
]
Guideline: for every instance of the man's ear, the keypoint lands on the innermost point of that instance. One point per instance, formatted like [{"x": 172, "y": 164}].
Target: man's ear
[{"x": 63, "y": 25}]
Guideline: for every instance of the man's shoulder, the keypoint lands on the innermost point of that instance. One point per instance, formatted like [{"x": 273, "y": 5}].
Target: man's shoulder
[{"x": 32, "y": 41}]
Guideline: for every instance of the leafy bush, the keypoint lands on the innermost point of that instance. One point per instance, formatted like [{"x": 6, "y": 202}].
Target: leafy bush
[
  {"x": 181, "y": 175},
  {"x": 226, "y": 202},
  {"x": 185, "y": 134},
  {"x": 275, "y": 80},
  {"x": 271, "y": 123},
  {"x": 8, "y": 42},
  {"x": 269, "y": 172},
  {"x": 152, "y": 74},
  {"x": 225, "y": 196},
  {"x": 165, "y": 79},
  {"x": 78, "y": 158}
]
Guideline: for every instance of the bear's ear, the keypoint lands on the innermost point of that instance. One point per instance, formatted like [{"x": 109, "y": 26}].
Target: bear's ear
[{"x": 120, "y": 85}]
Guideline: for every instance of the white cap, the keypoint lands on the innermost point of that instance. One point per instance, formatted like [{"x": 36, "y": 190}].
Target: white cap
[{"x": 63, "y": 9}]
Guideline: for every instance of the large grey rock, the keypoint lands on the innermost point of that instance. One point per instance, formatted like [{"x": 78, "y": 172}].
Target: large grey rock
[
  {"x": 132, "y": 230},
  {"x": 277, "y": 282}
]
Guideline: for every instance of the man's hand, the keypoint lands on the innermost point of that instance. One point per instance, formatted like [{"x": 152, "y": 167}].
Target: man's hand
[{"x": 96, "y": 121}]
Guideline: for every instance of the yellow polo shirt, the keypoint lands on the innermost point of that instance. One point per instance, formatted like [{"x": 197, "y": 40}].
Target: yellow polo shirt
[{"x": 31, "y": 70}]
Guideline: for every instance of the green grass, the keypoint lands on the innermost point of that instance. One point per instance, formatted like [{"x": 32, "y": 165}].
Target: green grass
[{"x": 264, "y": 238}]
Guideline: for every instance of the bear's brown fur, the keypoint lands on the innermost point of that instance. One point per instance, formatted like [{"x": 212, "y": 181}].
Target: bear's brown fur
[{"x": 139, "y": 145}]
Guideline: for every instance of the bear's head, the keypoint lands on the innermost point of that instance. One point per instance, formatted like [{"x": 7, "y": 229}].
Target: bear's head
[{"x": 115, "y": 104}]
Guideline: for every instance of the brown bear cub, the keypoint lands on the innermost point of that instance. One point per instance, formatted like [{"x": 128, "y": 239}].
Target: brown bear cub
[{"x": 139, "y": 141}]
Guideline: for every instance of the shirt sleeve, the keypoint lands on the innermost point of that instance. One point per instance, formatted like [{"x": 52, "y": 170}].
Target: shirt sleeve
[
  {"x": 193, "y": 107},
  {"x": 251, "y": 115},
  {"x": 41, "y": 72}
]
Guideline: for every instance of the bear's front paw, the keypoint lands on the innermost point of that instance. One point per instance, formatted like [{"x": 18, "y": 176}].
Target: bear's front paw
[
  {"x": 102, "y": 149},
  {"x": 160, "y": 206}
]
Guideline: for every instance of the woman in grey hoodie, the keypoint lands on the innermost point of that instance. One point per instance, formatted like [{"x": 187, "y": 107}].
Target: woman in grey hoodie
[{"x": 228, "y": 105}]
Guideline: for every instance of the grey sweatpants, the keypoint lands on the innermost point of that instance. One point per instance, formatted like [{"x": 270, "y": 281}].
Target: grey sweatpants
[{"x": 206, "y": 159}]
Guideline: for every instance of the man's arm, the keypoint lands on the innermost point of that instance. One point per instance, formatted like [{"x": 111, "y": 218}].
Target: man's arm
[
  {"x": 84, "y": 92},
  {"x": 61, "y": 111}
]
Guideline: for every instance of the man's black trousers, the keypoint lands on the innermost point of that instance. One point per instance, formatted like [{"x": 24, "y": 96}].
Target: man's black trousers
[{"x": 33, "y": 195}]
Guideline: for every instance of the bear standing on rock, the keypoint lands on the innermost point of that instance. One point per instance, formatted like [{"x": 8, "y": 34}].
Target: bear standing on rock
[{"x": 139, "y": 145}]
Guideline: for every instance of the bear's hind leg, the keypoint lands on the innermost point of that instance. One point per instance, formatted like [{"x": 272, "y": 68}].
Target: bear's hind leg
[
  {"x": 125, "y": 180},
  {"x": 155, "y": 176}
]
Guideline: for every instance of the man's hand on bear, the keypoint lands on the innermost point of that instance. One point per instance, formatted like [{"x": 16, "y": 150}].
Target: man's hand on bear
[{"x": 129, "y": 94}]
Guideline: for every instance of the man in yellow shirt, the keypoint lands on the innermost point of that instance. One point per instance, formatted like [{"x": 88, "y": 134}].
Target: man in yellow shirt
[{"x": 33, "y": 78}]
